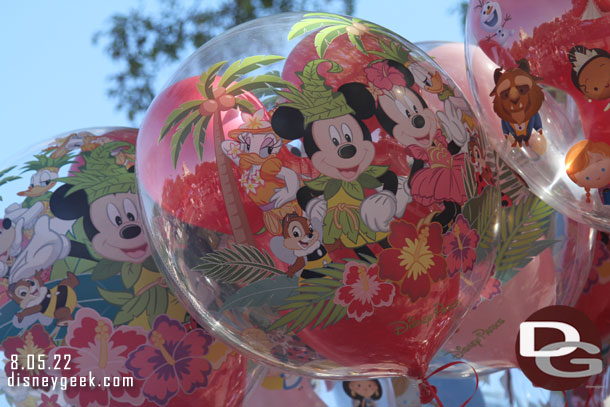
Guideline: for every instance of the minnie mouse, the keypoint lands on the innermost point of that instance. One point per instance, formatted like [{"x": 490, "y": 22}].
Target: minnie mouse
[
  {"x": 436, "y": 172},
  {"x": 339, "y": 145}
]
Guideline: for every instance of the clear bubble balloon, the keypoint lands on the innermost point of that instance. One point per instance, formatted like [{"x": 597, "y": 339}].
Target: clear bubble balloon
[
  {"x": 81, "y": 299},
  {"x": 532, "y": 69},
  {"x": 309, "y": 191},
  {"x": 553, "y": 272}
]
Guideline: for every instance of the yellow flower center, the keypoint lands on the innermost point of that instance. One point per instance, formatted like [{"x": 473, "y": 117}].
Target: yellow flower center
[
  {"x": 158, "y": 341},
  {"x": 102, "y": 334},
  {"x": 416, "y": 256},
  {"x": 29, "y": 348},
  {"x": 456, "y": 230},
  {"x": 364, "y": 277}
]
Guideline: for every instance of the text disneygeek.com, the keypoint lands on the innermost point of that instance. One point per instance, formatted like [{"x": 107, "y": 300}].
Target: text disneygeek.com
[{"x": 32, "y": 363}]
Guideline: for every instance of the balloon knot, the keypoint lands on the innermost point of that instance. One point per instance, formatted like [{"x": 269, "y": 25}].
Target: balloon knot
[{"x": 427, "y": 392}]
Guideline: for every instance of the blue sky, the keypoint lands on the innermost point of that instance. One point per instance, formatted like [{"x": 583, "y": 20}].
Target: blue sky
[{"x": 54, "y": 80}]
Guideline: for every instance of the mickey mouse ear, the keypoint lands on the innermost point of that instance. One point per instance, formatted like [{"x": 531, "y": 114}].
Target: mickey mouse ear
[{"x": 6, "y": 224}]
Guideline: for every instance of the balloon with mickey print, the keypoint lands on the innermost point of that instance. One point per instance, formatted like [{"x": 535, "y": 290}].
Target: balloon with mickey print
[
  {"x": 82, "y": 303},
  {"x": 313, "y": 200}
]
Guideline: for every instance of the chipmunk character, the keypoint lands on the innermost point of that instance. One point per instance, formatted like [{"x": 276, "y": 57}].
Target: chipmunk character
[
  {"x": 517, "y": 99},
  {"x": 34, "y": 298},
  {"x": 300, "y": 245}
]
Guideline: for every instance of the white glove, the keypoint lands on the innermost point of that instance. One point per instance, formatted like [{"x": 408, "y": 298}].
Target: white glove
[
  {"x": 289, "y": 192},
  {"x": 316, "y": 209},
  {"x": 403, "y": 196},
  {"x": 451, "y": 120},
  {"x": 378, "y": 210}
]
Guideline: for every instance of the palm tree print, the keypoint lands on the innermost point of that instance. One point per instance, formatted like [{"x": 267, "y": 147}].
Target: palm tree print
[
  {"x": 220, "y": 94},
  {"x": 331, "y": 26},
  {"x": 4, "y": 180}
]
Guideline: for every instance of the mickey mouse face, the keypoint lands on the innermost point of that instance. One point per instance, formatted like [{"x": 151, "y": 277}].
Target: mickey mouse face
[
  {"x": 117, "y": 217},
  {"x": 343, "y": 152},
  {"x": 7, "y": 237},
  {"x": 415, "y": 124}
]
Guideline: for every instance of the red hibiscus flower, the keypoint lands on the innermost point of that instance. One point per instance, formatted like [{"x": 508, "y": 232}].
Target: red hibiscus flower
[
  {"x": 34, "y": 342},
  {"x": 383, "y": 76},
  {"x": 459, "y": 246},
  {"x": 415, "y": 259},
  {"x": 363, "y": 292},
  {"x": 96, "y": 347},
  {"x": 172, "y": 360}
]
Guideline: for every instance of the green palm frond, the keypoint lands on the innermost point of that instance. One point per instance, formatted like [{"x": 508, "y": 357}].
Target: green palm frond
[
  {"x": 392, "y": 51},
  {"x": 245, "y": 66},
  {"x": 482, "y": 214},
  {"x": 331, "y": 26},
  {"x": 187, "y": 118},
  {"x": 45, "y": 160},
  {"x": 100, "y": 175},
  {"x": 240, "y": 263},
  {"x": 522, "y": 228},
  {"x": 509, "y": 182},
  {"x": 257, "y": 82},
  {"x": 314, "y": 301},
  {"x": 4, "y": 180}
]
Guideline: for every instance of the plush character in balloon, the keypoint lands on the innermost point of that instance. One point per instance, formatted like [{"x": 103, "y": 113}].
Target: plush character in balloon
[
  {"x": 363, "y": 392},
  {"x": 517, "y": 99},
  {"x": 590, "y": 72},
  {"x": 588, "y": 165}
]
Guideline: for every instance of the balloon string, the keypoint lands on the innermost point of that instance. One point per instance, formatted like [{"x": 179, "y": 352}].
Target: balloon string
[
  {"x": 589, "y": 396},
  {"x": 447, "y": 366},
  {"x": 565, "y": 398}
]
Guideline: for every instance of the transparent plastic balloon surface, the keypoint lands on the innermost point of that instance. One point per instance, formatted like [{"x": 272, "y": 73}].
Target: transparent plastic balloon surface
[
  {"x": 314, "y": 204},
  {"x": 82, "y": 297},
  {"x": 554, "y": 273},
  {"x": 549, "y": 92}
]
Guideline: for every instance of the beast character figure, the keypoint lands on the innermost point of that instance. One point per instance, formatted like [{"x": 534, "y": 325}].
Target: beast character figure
[{"x": 517, "y": 99}]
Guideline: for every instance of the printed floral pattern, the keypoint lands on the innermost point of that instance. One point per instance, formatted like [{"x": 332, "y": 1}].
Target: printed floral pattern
[
  {"x": 363, "y": 292},
  {"x": 99, "y": 349},
  {"x": 172, "y": 360},
  {"x": 459, "y": 246},
  {"x": 49, "y": 401},
  {"x": 414, "y": 261},
  {"x": 34, "y": 342},
  {"x": 383, "y": 76}
]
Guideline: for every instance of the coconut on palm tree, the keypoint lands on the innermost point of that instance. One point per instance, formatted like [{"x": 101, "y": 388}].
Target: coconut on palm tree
[{"x": 220, "y": 94}]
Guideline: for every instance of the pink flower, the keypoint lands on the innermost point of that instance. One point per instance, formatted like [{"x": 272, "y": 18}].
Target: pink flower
[
  {"x": 95, "y": 346},
  {"x": 459, "y": 246},
  {"x": 363, "y": 291},
  {"x": 49, "y": 401},
  {"x": 172, "y": 360},
  {"x": 383, "y": 76},
  {"x": 34, "y": 343}
]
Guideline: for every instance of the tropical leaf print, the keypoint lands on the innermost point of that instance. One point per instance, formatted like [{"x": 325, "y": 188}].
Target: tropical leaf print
[
  {"x": 239, "y": 264},
  {"x": 521, "y": 228},
  {"x": 4, "y": 179},
  {"x": 189, "y": 118},
  {"x": 482, "y": 214},
  {"x": 331, "y": 26},
  {"x": 313, "y": 301},
  {"x": 509, "y": 182},
  {"x": 272, "y": 291}
]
